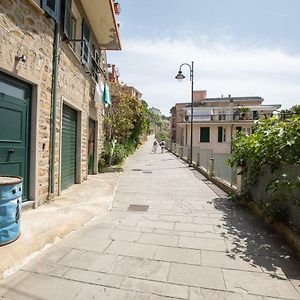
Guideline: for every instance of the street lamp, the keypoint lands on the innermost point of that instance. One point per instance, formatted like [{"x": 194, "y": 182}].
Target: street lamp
[{"x": 180, "y": 76}]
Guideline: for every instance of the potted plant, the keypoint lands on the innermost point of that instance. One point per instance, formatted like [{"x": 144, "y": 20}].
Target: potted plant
[
  {"x": 117, "y": 8},
  {"x": 243, "y": 112}
]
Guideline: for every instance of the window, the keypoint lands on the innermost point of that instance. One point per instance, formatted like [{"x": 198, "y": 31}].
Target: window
[
  {"x": 85, "y": 43},
  {"x": 221, "y": 134},
  {"x": 255, "y": 115},
  {"x": 51, "y": 7},
  {"x": 204, "y": 134},
  {"x": 239, "y": 129},
  {"x": 70, "y": 20},
  {"x": 222, "y": 116},
  {"x": 95, "y": 65}
]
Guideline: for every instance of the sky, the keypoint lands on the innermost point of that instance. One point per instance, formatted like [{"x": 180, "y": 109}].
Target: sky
[{"x": 239, "y": 47}]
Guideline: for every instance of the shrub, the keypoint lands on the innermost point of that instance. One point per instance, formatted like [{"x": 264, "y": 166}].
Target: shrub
[
  {"x": 120, "y": 153},
  {"x": 275, "y": 143}
]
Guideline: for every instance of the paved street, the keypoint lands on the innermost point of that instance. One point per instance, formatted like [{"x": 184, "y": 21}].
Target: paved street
[{"x": 190, "y": 243}]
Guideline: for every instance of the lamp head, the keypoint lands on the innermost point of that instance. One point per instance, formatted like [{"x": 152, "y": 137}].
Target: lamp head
[{"x": 180, "y": 76}]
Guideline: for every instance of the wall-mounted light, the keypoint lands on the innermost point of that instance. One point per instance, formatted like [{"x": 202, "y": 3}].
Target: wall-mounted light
[{"x": 21, "y": 58}]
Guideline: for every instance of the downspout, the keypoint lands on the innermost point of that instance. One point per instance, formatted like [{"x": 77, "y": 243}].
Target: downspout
[{"x": 55, "y": 59}]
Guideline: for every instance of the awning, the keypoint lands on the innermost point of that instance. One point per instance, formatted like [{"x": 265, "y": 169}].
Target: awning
[{"x": 101, "y": 16}]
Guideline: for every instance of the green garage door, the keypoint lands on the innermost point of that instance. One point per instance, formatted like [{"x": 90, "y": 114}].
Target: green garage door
[
  {"x": 14, "y": 129},
  {"x": 68, "y": 152}
]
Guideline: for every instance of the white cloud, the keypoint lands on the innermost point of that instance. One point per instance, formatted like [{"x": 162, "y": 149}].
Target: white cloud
[{"x": 221, "y": 67}]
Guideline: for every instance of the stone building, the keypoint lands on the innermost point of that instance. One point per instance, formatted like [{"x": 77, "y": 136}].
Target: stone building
[{"x": 52, "y": 76}]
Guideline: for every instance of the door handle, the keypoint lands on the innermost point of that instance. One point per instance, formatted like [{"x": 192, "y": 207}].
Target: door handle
[{"x": 10, "y": 151}]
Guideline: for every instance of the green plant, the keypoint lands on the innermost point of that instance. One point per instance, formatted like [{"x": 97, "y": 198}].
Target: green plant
[
  {"x": 275, "y": 143},
  {"x": 243, "y": 109},
  {"x": 120, "y": 153}
]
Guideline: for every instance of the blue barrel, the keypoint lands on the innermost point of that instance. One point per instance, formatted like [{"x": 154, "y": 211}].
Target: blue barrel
[{"x": 10, "y": 208}]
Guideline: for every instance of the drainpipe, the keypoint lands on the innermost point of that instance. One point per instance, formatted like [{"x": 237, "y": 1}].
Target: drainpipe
[{"x": 55, "y": 59}]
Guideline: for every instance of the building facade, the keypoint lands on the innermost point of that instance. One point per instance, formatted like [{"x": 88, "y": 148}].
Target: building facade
[
  {"x": 52, "y": 73},
  {"x": 217, "y": 119},
  {"x": 178, "y": 114}
]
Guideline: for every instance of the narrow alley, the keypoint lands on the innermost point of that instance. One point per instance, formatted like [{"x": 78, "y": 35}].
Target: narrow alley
[{"x": 170, "y": 234}]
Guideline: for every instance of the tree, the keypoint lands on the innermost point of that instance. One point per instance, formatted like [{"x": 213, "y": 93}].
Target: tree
[{"x": 126, "y": 120}]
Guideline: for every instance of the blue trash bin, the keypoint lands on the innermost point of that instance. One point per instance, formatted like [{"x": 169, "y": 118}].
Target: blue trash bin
[{"x": 10, "y": 208}]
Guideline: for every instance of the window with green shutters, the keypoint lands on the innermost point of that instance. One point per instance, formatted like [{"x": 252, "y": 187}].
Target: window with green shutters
[
  {"x": 220, "y": 134},
  {"x": 52, "y": 8},
  {"x": 204, "y": 134},
  {"x": 85, "y": 43}
]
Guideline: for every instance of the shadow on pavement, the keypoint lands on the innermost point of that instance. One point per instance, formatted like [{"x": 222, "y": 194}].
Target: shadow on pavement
[{"x": 253, "y": 241}]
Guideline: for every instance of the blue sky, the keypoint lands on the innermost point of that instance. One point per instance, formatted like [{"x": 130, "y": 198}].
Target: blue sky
[{"x": 240, "y": 47}]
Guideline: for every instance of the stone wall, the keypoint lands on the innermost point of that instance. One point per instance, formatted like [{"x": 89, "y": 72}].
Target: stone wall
[{"x": 25, "y": 30}]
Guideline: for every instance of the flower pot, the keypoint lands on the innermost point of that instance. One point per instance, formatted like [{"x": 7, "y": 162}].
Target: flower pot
[{"x": 117, "y": 8}]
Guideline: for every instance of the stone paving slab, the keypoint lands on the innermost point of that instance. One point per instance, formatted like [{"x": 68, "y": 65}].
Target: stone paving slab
[
  {"x": 192, "y": 243},
  {"x": 140, "y": 268},
  {"x": 181, "y": 255},
  {"x": 202, "y": 243},
  {"x": 259, "y": 284},
  {"x": 154, "y": 287},
  {"x": 132, "y": 249},
  {"x": 97, "y": 278},
  {"x": 87, "y": 260},
  {"x": 197, "y": 276},
  {"x": 106, "y": 293},
  {"x": 159, "y": 239},
  {"x": 40, "y": 286}
]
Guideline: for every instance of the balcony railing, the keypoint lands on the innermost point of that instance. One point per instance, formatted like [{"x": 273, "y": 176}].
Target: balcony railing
[{"x": 252, "y": 116}]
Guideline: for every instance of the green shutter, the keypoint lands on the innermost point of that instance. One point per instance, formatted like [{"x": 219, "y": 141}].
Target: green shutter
[
  {"x": 85, "y": 43},
  {"x": 220, "y": 134},
  {"x": 68, "y": 153},
  {"x": 204, "y": 134},
  {"x": 52, "y": 8},
  {"x": 67, "y": 19}
]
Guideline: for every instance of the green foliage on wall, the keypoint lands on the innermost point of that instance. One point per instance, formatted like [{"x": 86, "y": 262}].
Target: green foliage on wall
[{"x": 275, "y": 143}]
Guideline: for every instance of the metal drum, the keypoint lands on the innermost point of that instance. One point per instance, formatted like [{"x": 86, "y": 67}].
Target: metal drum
[{"x": 10, "y": 208}]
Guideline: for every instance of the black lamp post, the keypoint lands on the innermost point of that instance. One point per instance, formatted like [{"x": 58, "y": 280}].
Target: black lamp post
[{"x": 180, "y": 76}]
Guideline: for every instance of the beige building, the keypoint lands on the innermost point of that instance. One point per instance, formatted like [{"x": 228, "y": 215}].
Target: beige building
[
  {"x": 178, "y": 114},
  {"x": 131, "y": 91},
  {"x": 217, "y": 119},
  {"x": 52, "y": 78}
]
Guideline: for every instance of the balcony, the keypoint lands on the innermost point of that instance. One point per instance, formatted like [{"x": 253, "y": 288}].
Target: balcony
[
  {"x": 101, "y": 16},
  {"x": 228, "y": 118}
]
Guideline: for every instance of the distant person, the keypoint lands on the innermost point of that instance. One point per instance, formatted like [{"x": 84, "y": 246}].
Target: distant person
[
  {"x": 162, "y": 145},
  {"x": 155, "y": 145}
]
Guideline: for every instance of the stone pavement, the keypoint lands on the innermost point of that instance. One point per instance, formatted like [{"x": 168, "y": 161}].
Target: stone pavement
[
  {"x": 191, "y": 243},
  {"x": 50, "y": 222}
]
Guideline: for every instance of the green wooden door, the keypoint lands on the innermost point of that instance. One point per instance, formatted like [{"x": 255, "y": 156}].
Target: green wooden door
[
  {"x": 68, "y": 153},
  {"x": 14, "y": 129}
]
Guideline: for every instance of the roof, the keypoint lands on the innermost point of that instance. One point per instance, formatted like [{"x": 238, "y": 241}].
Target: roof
[{"x": 235, "y": 99}]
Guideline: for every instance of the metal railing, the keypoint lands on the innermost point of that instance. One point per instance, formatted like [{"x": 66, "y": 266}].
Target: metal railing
[{"x": 215, "y": 165}]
